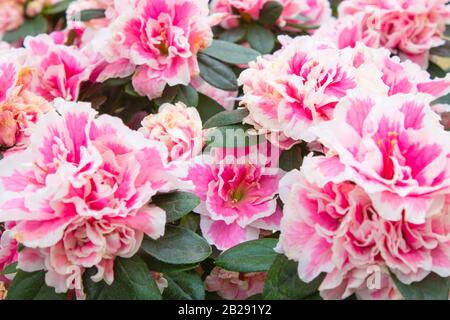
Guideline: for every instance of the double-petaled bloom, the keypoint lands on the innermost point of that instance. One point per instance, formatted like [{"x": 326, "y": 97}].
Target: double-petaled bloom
[
  {"x": 336, "y": 229},
  {"x": 80, "y": 193},
  {"x": 178, "y": 127},
  {"x": 394, "y": 148},
  {"x": 238, "y": 194},
  {"x": 157, "y": 41}
]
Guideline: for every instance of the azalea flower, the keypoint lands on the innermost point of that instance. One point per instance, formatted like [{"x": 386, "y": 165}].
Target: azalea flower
[
  {"x": 238, "y": 195},
  {"x": 91, "y": 181},
  {"x": 398, "y": 154},
  {"x": 158, "y": 42}
]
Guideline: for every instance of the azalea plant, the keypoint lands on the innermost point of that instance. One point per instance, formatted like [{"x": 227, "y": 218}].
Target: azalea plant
[{"x": 225, "y": 149}]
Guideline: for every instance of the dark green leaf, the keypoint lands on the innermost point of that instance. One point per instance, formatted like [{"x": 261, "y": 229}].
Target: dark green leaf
[
  {"x": 441, "y": 51},
  {"x": 184, "y": 286},
  {"x": 292, "y": 158},
  {"x": 231, "y": 52},
  {"x": 187, "y": 95},
  {"x": 132, "y": 281},
  {"x": 432, "y": 287},
  {"x": 270, "y": 12},
  {"x": 91, "y": 14},
  {"x": 225, "y": 118},
  {"x": 283, "y": 283},
  {"x": 231, "y": 136},
  {"x": 217, "y": 74},
  {"x": 260, "y": 38},
  {"x": 442, "y": 100},
  {"x": 208, "y": 107},
  {"x": 251, "y": 256},
  {"x": 9, "y": 269},
  {"x": 178, "y": 246},
  {"x": 447, "y": 31},
  {"x": 31, "y": 286},
  {"x": 57, "y": 8},
  {"x": 129, "y": 89},
  {"x": 233, "y": 35},
  {"x": 176, "y": 204},
  {"x": 117, "y": 82},
  {"x": 155, "y": 265},
  {"x": 168, "y": 95},
  {"x": 190, "y": 221},
  {"x": 31, "y": 27},
  {"x": 435, "y": 71}
]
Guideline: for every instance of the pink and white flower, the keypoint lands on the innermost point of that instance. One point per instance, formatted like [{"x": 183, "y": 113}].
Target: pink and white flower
[
  {"x": 79, "y": 194},
  {"x": 232, "y": 285},
  {"x": 297, "y": 86},
  {"x": 311, "y": 12},
  {"x": 238, "y": 196},
  {"x": 335, "y": 228},
  {"x": 158, "y": 42},
  {"x": 408, "y": 28},
  {"x": 58, "y": 70},
  {"x": 178, "y": 127},
  {"x": 399, "y": 155}
]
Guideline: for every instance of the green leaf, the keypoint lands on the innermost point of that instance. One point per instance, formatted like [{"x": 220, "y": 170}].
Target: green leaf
[
  {"x": 168, "y": 95},
  {"x": 216, "y": 73},
  {"x": 176, "y": 204},
  {"x": 207, "y": 107},
  {"x": 190, "y": 221},
  {"x": 231, "y": 136},
  {"x": 435, "y": 71},
  {"x": 283, "y": 283},
  {"x": 91, "y": 14},
  {"x": 292, "y": 158},
  {"x": 230, "y": 52},
  {"x": 251, "y": 256},
  {"x": 187, "y": 95},
  {"x": 9, "y": 269},
  {"x": 260, "y": 38},
  {"x": 31, "y": 27},
  {"x": 225, "y": 118},
  {"x": 447, "y": 30},
  {"x": 184, "y": 286},
  {"x": 31, "y": 286},
  {"x": 442, "y": 100},
  {"x": 132, "y": 281},
  {"x": 117, "y": 82},
  {"x": 178, "y": 246},
  {"x": 129, "y": 90},
  {"x": 233, "y": 35},
  {"x": 57, "y": 8},
  {"x": 441, "y": 51},
  {"x": 432, "y": 287},
  {"x": 270, "y": 12},
  {"x": 155, "y": 265}
]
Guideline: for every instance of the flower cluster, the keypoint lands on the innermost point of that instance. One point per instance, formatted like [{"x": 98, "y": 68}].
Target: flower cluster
[
  {"x": 408, "y": 28},
  {"x": 313, "y": 12}
]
